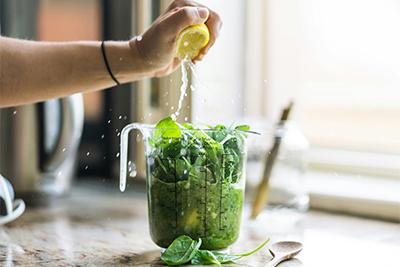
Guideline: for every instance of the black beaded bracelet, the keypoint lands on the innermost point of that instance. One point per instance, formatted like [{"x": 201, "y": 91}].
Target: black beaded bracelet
[{"x": 105, "y": 61}]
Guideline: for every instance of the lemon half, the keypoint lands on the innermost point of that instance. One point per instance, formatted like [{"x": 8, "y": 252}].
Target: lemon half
[{"x": 191, "y": 40}]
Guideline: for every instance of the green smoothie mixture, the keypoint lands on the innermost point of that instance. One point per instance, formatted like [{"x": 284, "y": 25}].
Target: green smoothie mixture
[{"x": 196, "y": 183}]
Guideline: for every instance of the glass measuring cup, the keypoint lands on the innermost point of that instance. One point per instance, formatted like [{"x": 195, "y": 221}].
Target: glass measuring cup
[{"x": 195, "y": 182}]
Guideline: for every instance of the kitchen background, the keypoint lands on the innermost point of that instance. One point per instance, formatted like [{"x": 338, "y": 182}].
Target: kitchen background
[{"x": 338, "y": 62}]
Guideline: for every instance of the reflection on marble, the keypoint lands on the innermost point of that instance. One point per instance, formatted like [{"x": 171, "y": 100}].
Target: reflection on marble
[{"x": 99, "y": 226}]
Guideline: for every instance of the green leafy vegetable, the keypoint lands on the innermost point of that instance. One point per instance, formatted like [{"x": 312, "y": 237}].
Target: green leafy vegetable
[
  {"x": 243, "y": 127},
  {"x": 204, "y": 257},
  {"x": 182, "y": 250},
  {"x": 168, "y": 128}
]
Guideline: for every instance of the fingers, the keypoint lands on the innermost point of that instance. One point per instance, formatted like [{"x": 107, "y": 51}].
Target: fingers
[
  {"x": 182, "y": 14},
  {"x": 182, "y": 17},
  {"x": 214, "y": 25}
]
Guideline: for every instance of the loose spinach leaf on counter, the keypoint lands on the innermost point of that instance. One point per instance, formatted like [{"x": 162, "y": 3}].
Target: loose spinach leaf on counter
[
  {"x": 184, "y": 249},
  {"x": 222, "y": 257},
  {"x": 181, "y": 250},
  {"x": 203, "y": 257}
]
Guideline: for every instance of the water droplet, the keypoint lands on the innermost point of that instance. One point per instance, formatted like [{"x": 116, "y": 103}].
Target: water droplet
[
  {"x": 336, "y": 174},
  {"x": 186, "y": 43},
  {"x": 117, "y": 155},
  {"x": 59, "y": 174},
  {"x": 186, "y": 118},
  {"x": 150, "y": 114},
  {"x": 118, "y": 134},
  {"x": 170, "y": 140},
  {"x": 172, "y": 108},
  {"x": 109, "y": 121},
  {"x": 166, "y": 103},
  {"x": 102, "y": 136},
  {"x": 173, "y": 116},
  {"x": 138, "y": 139},
  {"x": 15, "y": 112},
  {"x": 120, "y": 117},
  {"x": 133, "y": 173},
  {"x": 150, "y": 161},
  {"x": 86, "y": 167},
  {"x": 265, "y": 81},
  {"x": 185, "y": 171},
  {"x": 139, "y": 38},
  {"x": 87, "y": 154},
  {"x": 64, "y": 149},
  {"x": 269, "y": 152},
  {"x": 125, "y": 117}
]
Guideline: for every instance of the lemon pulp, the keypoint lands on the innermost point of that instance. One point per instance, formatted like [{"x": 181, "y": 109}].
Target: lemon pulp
[{"x": 191, "y": 40}]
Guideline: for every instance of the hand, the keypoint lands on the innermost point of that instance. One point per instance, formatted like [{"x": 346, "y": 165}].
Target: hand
[{"x": 154, "y": 49}]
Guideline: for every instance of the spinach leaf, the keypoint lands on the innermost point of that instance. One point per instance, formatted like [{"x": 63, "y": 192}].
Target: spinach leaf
[
  {"x": 253, "y": 251},
  {"x": 188, "y": 126},
  {"x": 181, "y": 250},
  {"x": 243, "y": 127},
  {"x": 203, "y": 257},
  {"x": 184, "y": 249},
  {"x": 167, "y": 128},
  {"x": 226, "y": 258},
  {"x": 209, "y": 257}
]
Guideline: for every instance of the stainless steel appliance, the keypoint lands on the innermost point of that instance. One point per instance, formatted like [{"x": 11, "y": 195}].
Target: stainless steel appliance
[{"x": 39, "y": 144}]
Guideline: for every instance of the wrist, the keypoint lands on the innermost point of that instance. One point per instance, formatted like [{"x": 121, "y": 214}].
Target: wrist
[
  {"x": 144, "y": 67},
  {"x": 125, "y": 63}
]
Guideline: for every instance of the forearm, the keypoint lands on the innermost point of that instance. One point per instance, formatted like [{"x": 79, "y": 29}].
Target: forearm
[{"x": 37, "y": 71}]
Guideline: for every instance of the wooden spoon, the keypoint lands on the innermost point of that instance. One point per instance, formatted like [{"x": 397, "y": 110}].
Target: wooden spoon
[{"x": 283, "y": 251}]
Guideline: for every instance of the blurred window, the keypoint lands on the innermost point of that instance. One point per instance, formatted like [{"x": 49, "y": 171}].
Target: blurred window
[{"x": 339, "y": 61}]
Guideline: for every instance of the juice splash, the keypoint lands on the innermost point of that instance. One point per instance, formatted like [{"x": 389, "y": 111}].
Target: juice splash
[{"x": 187, "y": 64}]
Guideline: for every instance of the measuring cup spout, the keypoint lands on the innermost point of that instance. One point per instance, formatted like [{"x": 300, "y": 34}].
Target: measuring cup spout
[{"x": 124, "y": 153}]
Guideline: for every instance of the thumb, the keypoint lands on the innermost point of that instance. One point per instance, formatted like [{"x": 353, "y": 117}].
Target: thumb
[{"x": 184, "y": 17}]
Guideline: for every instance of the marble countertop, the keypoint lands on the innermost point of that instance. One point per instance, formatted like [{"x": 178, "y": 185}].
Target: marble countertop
[{"x": 96, "y": 225}]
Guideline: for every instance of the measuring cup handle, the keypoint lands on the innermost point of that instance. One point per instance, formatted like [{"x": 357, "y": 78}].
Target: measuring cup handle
[{"x": 124, "y": 153}]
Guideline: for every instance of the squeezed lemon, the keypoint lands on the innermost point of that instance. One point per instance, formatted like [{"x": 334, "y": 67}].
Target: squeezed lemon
[{"x": 191, "y": 40}]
